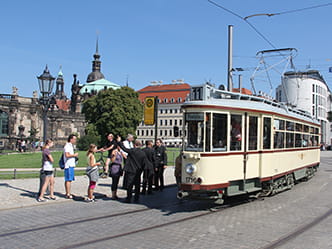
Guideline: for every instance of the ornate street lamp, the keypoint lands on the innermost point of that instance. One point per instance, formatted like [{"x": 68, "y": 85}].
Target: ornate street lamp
[{"x": 46, "y": 82}]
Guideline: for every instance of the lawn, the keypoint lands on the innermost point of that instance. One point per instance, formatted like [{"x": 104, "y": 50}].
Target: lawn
[{"x": 33, "y": 160}]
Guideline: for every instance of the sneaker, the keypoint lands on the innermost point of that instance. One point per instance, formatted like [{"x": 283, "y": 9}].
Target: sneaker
[
  {"x": 90, "y": 200},
  {"x": 104, "y": 175}
]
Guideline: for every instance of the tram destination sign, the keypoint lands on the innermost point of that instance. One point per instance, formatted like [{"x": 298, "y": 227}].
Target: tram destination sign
[
  {"x": 149, "y": 111},
  {"x": 194, "y": 116}
]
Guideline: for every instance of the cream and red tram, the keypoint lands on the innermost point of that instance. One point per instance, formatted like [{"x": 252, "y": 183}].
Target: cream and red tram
[{"x": 240, "y": 144}]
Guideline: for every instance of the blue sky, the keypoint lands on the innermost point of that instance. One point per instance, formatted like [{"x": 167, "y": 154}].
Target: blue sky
[{"x": 146, "y": 40}]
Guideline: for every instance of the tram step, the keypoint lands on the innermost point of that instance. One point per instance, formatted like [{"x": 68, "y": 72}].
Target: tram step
[{"x": 241, "y": 192}]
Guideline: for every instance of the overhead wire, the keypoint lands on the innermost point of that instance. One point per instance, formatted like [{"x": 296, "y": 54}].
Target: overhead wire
[
  {"x": 242, "y": 18},
  {"x": 302, "y": 9},
  {"x": 267, "y": 14}
]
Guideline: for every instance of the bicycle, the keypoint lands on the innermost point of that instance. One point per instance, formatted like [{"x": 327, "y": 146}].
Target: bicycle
[{"x": 100, "y": 159}]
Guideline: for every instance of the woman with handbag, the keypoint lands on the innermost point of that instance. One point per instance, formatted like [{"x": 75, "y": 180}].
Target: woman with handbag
[
  {"x": 92, "y": 171},
  {"x": 116, "y": 169}
]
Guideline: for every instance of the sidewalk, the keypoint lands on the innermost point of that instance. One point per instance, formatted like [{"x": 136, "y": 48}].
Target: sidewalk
[{"x": 22, "y": 192}]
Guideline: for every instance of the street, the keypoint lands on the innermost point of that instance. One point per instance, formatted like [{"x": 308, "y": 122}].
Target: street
[{"x": 299, "y": 218}]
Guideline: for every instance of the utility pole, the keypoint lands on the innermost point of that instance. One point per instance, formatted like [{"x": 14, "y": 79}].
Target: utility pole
[{"x": 156, "y": 119}]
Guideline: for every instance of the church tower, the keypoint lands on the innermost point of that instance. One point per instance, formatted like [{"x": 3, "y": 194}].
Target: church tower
[
  {"x": 96, "y": 63},
  {"x": 59, "y": 92}
]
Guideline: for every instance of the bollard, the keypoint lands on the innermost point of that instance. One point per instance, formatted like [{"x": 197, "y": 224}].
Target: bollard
[{"x": 14, "y": 173}]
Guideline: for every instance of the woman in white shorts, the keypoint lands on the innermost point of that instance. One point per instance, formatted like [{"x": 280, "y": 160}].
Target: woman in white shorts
[{"x": 47, "y": 161}]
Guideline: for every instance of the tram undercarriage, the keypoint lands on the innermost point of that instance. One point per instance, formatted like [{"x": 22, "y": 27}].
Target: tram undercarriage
[{"x": 251, "y": 187}]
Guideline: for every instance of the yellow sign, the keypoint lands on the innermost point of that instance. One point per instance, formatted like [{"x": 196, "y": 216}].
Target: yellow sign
[{"x": 149, "y": 106}]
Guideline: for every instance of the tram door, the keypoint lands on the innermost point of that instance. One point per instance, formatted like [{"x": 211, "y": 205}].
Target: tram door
[{"x": 250, "y": 156}]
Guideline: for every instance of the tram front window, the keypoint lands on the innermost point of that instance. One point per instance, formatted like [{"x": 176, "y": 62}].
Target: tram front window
[
  {"x": 219, "y": 135},
  {"x": 194, "y": 131}
]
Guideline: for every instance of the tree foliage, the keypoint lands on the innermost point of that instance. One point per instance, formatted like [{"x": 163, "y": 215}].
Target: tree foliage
[
  {"x": 114, "y": 111},
  {"x": 91, "y": 137}
]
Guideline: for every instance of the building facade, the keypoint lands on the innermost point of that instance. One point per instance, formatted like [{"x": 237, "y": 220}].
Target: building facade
[
  {"x": 308, "y": 91},
  {"x": 169, "y": 114},
  {"x": 21, "y": 118}
]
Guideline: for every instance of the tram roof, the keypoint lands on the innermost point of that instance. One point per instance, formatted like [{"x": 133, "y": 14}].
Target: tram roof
[{"x": 221, "y": 99}]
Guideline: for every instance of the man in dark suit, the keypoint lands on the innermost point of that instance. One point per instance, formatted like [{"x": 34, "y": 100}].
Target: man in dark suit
[
  {"x": 133, "y": 168},
  {"x": 160, "y": 164},
  {"x": 149, "y": 168}
]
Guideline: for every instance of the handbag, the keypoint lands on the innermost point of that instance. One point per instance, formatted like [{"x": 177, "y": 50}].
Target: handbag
[{"x": 116, "y": 170}]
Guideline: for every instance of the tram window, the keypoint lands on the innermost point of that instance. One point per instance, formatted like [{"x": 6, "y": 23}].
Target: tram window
[
  {"x": 279, "y": 124},
  {"x": 282, "y": 125},
  {"x": 236, "y": 132},
  {"x": 306, "y": 128},
  {"x": 298, "y": 140},
  {"x": 267, "y": 133},
  {"x": 194, "y": 124},
  {"x": 312, "y": 130},
  {"x": 278, "y": 140},
  {"x": 219, "y": 135},
  {"x": 208, "y": 132},
  {"x": 289, "y": 140},
  {"x": 289, "y": 126},
  {"x": 305, "y": 141},
  {"x": 298, "y": 127},
  {"x": 253, "y": 122}
]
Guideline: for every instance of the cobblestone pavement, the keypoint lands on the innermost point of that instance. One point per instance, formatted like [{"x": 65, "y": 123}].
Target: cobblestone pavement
[
  {"x": 161, "y": 221},
  {"x": 17, "y": 193}
]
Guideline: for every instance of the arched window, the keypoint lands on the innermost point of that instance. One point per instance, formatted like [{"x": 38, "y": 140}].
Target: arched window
[
  {"x": 179, "y": 99},
  {"x": 172, "y": 100},
  {"x": 3, "y": 123},
  {"x": 165, "y": 100}
]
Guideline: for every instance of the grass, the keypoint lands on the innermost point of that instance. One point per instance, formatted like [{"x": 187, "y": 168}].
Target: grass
[{"x": 33, "y": 160}]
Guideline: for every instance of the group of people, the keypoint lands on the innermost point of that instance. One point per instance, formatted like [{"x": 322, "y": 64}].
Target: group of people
[{"x": 148, "y": 164}]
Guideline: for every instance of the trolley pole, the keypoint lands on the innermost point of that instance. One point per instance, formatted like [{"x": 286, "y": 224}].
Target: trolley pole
[{"x": 230, "y": 59}]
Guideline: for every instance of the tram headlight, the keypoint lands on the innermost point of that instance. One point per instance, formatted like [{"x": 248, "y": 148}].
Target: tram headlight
[{"x": 190, "y": 168}]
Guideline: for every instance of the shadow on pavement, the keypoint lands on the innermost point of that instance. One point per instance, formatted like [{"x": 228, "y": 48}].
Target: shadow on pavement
[{"x": 167, "y": 202}]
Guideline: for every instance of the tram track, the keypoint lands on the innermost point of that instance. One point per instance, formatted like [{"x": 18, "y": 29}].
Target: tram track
[
  {"x": 206, "y": 212},
  {"x": 89, "y": 219},
  {"x": 72, "y": 222},
  {"x": 275, "y": 244},
  {"x": 182, "y": 205},
  {"x": 300, "y": 230}
]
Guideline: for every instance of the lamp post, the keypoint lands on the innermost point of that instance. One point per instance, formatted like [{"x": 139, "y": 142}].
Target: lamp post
[{"x": 46, "y": 82}]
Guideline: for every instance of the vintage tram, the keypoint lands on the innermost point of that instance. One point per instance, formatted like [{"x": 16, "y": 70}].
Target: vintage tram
[{"x": 237, "y": 143}]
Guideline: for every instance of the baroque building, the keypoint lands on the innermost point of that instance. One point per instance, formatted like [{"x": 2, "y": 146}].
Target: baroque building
[{"x": 21, "y": 118}]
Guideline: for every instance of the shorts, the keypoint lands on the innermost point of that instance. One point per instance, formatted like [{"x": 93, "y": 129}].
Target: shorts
[
  {"x": 70, "y": 174},
  {"x": 48, "y": 172},
  {"x": 92, "y": 185}
]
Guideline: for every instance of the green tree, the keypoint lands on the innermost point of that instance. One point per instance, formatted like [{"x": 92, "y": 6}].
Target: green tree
[
  {"x": 117, "y": 111},
  {"x": 91, "y": 137}
]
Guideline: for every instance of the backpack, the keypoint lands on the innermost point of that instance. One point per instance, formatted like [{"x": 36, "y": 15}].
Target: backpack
[{"x": 62, "y": 162}]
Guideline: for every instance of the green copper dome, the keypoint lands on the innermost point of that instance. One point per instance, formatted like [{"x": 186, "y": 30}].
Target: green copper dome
[{"x": 97, "y": 86}]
